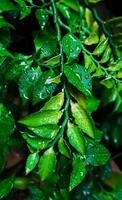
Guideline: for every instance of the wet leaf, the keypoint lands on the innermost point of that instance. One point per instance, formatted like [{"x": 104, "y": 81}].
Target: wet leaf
[
  {"x": 82, "y": 119},
  {"x": 44, "y": 86},
  {"x": 63, "y": 148},
  {"x": 75, "y": 138},
  {"x": 47, "y": 164},
  {"x": 97, "y": 155},
  {"x": 48, "y": 131},
  {"x": 71, "y": 46},
  {"x": 42, "y": 17},
  {"x": 31, "y": 162},
  {"x": 79, "y": 77},
  {"x": 42, "y": 118},
  {"x": 78, "y": 173}
]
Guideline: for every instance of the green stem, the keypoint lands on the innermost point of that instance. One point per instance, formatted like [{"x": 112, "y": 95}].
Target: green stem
[
  {"x": 104, "y": 28},
  {"x": 67, "y": 102},
  {"x": 97, "y": 63}
]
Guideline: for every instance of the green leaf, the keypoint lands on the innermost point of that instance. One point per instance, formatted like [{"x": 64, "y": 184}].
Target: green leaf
[
  {"x": 6, "y": 186},
  {"x": 27, "y": 82},
  {"x": 46, "y": 42},
  {"x": 36, "y": 143},
  {"x": 63, "y": 148},
  {"x": 42, "y": 118},
  {"x": 64, "y": 10},
  {"x": 82, "y": 119},
  {"x": 89, "y": 63},
  {"x": 48, "y": 131},
  {"x": 92, "y": 39},
  {"x": 79, "y": 77},
  {"x": 107, "y": 54},
  {"x": 78, "y": 173},
  {"x": 4, "y": 52},
  {"x": 42, "y": 17},
  {"x": 97, "y": 155},
  {"x": 45, "y": 86},
  {"x": 4, "y": 23},
  {"x": 75, "y": 138},
  {"x": 53, "y": 61},
  {"x": 92, "y": 104},
  {"x": 71, "y": 4},
  {"x": 94, "y": 1},
  {"x": 47, "y": 164},
  {"x": 24, "y": 9},
  {"x": 55, "y": 103},
  {"x": 7, "y": 5},
  {"x": 101, "y": 47},
  {"x": 71, "y": 46},
  {"x": 31, "y": 162},
  {"x": 89, "y": 18}
]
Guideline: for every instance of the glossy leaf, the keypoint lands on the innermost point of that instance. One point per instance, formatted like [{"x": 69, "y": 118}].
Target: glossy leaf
[
  {"x": 42, "y": 118},
  {"x": 75, "y": 138},
  {"x": 53, "y": 61},
  {"x": 42, "y": 17},
  {"x": 48, "y": 131},
  {"x": 92, "y": 39},
  {"x": 6, "y": 186},
  {"x": 27, "y": 82},
  {"x": 45, "y": 42},
  {"x": 44, "y": 86},
  {"x": 63, "y": 148},
  {"x": 78, "y": 173},
  {"x": 55, "y": 103},
  {"x": 101, "y": 47},
  {"x": 34, "y": 142},
  {"x": 89, "y": 63},
  {"x": 31, "y": 162},
  {"x": 71, "y": 4},
  {"x": 107, "y": 54},
  {"x": 47, "y": 164},
  {"x": 82, "y": 119},
  {"x": 71, "y": 46},
  {"x": 97, "y": 155},
  {"x": 79, "y": 77}
]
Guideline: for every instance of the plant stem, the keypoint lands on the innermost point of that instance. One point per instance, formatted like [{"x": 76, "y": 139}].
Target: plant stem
[
  {"x": 67, "y": 101},
  {"x": 104, "y": 28},
  {"x": 98, "y": 64}
]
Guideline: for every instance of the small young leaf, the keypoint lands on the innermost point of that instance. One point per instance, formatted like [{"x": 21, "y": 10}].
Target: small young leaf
[
  {"x": 31, "y": 162},
  {"x": 6, "y": 186},
  {"x": 35, "y": 143},
  {"x": 89, "y": 63},
  {"x": 48, "y": 131},
  {"x": 92, "y": 39},
  {"x": 107, "y": 54},
  {"x": 42, "y": 17},
  {"x": 97, "y": 155},
  {"x": 89, "y": 18},
  {"x": 78, "y": 173},
  {"x": 82, "y": 119},
  {"x": 47, "y": 164},
  {"x": 41, "y": 118},
  {"x": 101, "y": 47},
  {"x": 79, "y": 77},
  {"x": 71, "y": 46},
  {"x": 63, "y": 148},
  {"x": 55, "y": 103},
  {"x": 75, "y": 138}
]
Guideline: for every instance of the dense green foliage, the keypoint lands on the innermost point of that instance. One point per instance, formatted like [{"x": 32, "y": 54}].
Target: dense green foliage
[{"x": 60, "y": 101}]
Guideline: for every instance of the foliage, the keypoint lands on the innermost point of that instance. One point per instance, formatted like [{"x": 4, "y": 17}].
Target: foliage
[{"x": 60, "y": 101}]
